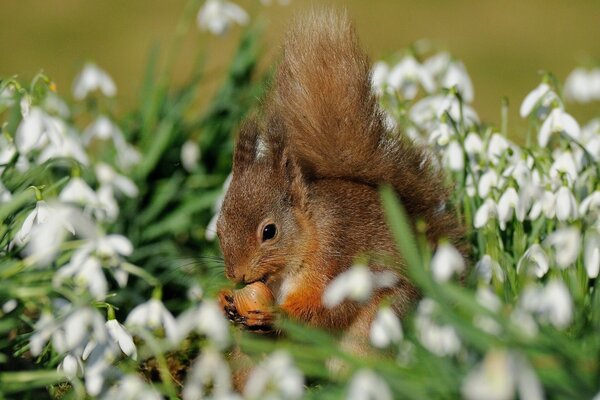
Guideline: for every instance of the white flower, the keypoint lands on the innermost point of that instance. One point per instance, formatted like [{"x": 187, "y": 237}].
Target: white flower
[
  {"x": 9, "y": 306},
  {"x": 558, "y": 121},
  {"x": 499, "y": 375},
  {"x": 90, "y": 79},
  {"x": 218, "y": 15},
  {"x": 473, "y": 144},
  {"x": 356, "y": 284},
  {"x": 86, "y": 271},
  {"x": 379, "y": 76},
  {"x": 206, "y": 319},
  {"x": 583, "y": 85},
  {"x": 497, "y": 147},
  {"x": 71, "y": 366},
  {"x": 77, "y": 191},
  {"x": 489, "y": 300},
  {"x": 591, "y": 253},
  {"x": 130, "y": 387},
  {"x": 507, "y": 204},
  {"x": 108, "y": 176},
  {"x": 385, "y": 329},
  {"x": 36, "y": 130},
  {"x": 407, "y": 75},
  {"x": 456, "y": 75},
  {"x": 551, "y": 303},
  {"x": 101, "y": 128},
  {"x": 454, "y": 156},
  {"x": 7, "y": 151},
  {"x": 122, "y": 338},
  {"x": 153, "y": 315},
  {"x": 441, "y": 340},
  {"x": 210, "y": 375},
  {"x": 564, "y": 163},
  {"x": 39, "y": 215},
  {"x": 69, "y": 147},
  {"x": 545, "y": 203},
  {"x": 190, "y": 154},
  {"x": 366, "y": 384},
  {"x": 566, "y": 244},
  {"x": 275, "y": 377},
  {"x": 446, "y": 261},
  {"x": 591, "y": 204},
  {"x": 487, "y": 181},
  {"x": 534, "y": 261},
  {"x": 484, "y": 213},
  {"x": 566, "y": 205},
  {"x": 542, "y": 95},
  {"x": 487, "y": 268}
]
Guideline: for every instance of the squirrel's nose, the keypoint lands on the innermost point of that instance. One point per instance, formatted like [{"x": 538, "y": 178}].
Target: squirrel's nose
[{"x": 232, "y": 274}]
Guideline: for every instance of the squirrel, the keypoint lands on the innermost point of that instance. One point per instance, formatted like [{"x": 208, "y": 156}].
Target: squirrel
[{"x": 303, "y": 202}]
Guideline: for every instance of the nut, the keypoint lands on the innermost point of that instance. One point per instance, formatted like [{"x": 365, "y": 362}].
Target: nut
[{"x": 252, "y": 299}]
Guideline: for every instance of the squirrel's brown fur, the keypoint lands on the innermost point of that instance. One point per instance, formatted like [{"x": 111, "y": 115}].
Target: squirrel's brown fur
[{"x": 312, "y": 165}]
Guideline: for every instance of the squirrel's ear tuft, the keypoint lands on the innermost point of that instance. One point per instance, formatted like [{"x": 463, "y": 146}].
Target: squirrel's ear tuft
[
  {"x": 323, "y": 84},
  {"x": 298, "y": 187},
  {"x": 246, "y": 146}
]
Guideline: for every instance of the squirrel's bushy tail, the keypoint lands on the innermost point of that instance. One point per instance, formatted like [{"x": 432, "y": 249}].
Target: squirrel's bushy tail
[{"x": 333, "y": 123}]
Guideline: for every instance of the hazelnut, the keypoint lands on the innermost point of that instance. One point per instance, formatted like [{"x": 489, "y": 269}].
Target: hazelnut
[{"x": 256, "y": 297}]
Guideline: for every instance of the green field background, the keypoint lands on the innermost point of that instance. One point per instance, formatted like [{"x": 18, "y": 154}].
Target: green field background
[{"x": 504, "y": 44}]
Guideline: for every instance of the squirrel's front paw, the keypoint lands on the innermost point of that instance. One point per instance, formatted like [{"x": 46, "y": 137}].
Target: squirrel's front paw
[{"x": 250, "y": 307}]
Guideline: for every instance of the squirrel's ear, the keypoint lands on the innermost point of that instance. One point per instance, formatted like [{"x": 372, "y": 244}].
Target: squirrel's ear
[
  {"x": 298, "y": 188},
  {"x": 246, "y": 145}
]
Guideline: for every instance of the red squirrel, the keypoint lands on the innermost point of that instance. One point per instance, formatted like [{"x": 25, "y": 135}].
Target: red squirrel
[{"x": 303, "y": 202}]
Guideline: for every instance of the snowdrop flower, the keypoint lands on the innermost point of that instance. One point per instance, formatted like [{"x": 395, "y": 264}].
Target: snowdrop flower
[
  {"x": 109, "y": 177},
  {"x": 534, "y": 261},
  {"x": 385, "y": 329},
  {"x": 77, "y": 191},
  {"x": 564, "y": 163},
  {"x": 551, "y": 303},
  {"x": 190, "y": 154},
  {"x": 45, "y": 238},
  {"x": 473, "y": 144},
  {"x": 275, "y": 377},
  {"x": 407, "y": 75},
  {"x": 379, "y": 76},
  {"x": 591, "y": 253},
  {"x": 121, "y": 337},
  {"x": 441, "y": 340},
  {"x": 210, "y": 373},
  {"x": 153, "y": 315},
  {"x": 583, "y": 85},
  {"x": 39, "y": 215},
  {"x": 131, "y": 387},
  {"x": 217, "y": 16},
  {"x": 499, "y": 375},
  {"x": 487, "y": 181},
  {"x": 558, "y": 121},
  {"x": 86, "y": 271},
  {"x": 36, "y": 130},
  {"x": 591, "y": 204},
  {"x": 454, "y": 156},
  {"x": 101, "y": 128},
  {"x": 565, "y": 243},
  {"x": 507, "y": 204},
  {"x": 542, "y": 95},
  {"x": 456, "y": 76},
  {"x": 366, "y": 384},
  {"x": 566, "y": 205},
  {"x": 206, "y": 319},
  {"x": 356, "y": 284},
  {"x": 446, "y": 261},
  {"x": 487, "y": 268},
  {"x": 5, "y": 194},
  {"x": 546, "y": 204},
  {"x": 9, "y": 306},
  {"x": 70, "y": 147},
  {"x": 497, "y": 147},
  {"x": 211, "y": 228},
  {"x": 489, "y": 300},
  {"x": 93, "y": 78},
  {"x": 442, "y": 135},
  {"x": 484, "y": 213},
  {"x": 437, "y": 64},
  {"x": 71, "y": 366}
]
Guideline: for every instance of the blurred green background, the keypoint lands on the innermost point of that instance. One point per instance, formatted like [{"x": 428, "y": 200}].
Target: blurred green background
[{"x": 503, "y": 43}]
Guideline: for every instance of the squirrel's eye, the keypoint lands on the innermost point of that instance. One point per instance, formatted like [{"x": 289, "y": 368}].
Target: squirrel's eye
[{"x": 269, "y": 232}]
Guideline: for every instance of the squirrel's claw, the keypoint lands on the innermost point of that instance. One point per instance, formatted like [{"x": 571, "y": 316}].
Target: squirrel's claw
[{"x": 254, "y": 320}]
